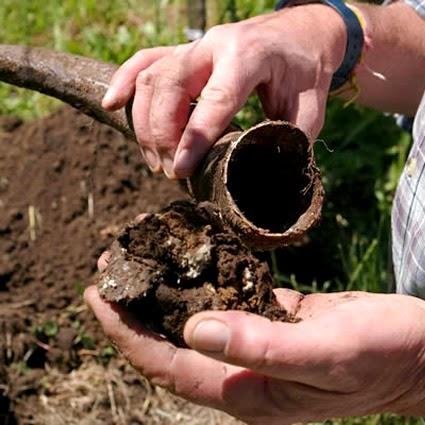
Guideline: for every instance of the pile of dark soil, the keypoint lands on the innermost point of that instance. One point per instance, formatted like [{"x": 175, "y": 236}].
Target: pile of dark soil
[{"x": 67, "y": 185}]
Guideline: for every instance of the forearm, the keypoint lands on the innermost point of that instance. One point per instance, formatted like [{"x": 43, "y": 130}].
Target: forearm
[{"x": 395, "y": 49}]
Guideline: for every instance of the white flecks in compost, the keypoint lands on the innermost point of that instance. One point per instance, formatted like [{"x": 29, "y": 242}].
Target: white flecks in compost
[
  {"x": 210, "y": 288},
  {"x": 172, "y": 241},
  {"x": 247, "y": 280},
  {"x": 197, "y": 261},
  {"x": 109, "y": 283}
]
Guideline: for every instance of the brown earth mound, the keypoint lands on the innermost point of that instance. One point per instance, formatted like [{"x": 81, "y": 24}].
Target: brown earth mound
[{"x": 67, "y": 185}]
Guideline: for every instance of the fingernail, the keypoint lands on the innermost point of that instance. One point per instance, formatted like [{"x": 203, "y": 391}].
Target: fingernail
[
  {"x": 151, "y": 158},
  {"x": 109, "y": 100},
  {"x": 210, "y": 335},
  {"x": 183, "y": 161},
  {"x": 167, "y": 162}
]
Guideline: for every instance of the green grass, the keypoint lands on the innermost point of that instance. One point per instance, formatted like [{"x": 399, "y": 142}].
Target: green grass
[{"x": 361, "y": 157}]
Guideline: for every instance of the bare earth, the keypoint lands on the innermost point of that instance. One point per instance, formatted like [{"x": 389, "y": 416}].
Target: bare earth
[{"x": 67, "y": 186}]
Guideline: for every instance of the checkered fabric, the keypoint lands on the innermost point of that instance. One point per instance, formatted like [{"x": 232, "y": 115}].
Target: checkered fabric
[
  {"x": 408, "y": 216},
  {"x": 418, "y": 5}
]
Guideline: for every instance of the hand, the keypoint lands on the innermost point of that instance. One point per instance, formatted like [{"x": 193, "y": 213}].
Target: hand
[
  {"x": 288, "y": 56},
  {"x": 352, "y": 354}
]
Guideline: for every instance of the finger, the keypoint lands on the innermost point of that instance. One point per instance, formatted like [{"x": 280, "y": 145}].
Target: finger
[
  {"x": 180, "y": 80},
  {"x": 140, "y": 113},
  {"x": 225, "y": 93},
  {"x": 183, "y": 371},
  {"x": 289, "y": 299},
  {"x": 122, "y": 85},
  {"x": 103, "y": 261},
  {"x": 308, "y": 113},
  {"x": 297, "y": 352},
  {"x": 273, "y": 100},
  {"x": 168, "y": 116}
]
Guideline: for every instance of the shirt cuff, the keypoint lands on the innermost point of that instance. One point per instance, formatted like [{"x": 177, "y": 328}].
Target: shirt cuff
[{"x": 417, "y": 5}]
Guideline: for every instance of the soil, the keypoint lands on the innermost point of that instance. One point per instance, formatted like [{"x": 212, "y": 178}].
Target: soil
[
  {"x": 181, "y": 261},
  {"x": 67, "y": 186}
]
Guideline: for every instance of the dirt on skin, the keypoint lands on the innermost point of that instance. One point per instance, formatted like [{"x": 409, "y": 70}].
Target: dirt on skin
[
  {"x": 181, "y": 261},
  {"x": 67, "y": 186}
]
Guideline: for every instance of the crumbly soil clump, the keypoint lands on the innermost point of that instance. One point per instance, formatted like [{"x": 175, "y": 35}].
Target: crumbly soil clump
[{"x": 181, "y": 261}]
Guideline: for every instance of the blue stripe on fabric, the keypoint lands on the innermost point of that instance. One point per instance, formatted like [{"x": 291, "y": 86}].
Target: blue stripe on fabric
[{"x": 418, "y": 5}]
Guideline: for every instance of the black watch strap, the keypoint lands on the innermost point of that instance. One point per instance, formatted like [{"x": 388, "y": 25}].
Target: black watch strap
[{"x": 355, "y": 37}]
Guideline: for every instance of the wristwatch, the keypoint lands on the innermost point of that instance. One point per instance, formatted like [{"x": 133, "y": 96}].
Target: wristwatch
[{"x": 355, "y": 37}]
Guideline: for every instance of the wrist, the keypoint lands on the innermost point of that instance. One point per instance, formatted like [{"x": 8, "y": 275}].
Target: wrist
[{"x": 326, "y": 30}]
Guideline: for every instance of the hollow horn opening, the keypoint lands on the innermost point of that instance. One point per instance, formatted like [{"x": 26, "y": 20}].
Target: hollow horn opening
[{"x": 270, "y": 177}]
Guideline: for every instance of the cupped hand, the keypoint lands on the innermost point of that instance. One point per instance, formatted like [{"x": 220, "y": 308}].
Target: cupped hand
[
  {"x": 289, "y": 57},
  {"x": 352, "y": 354}
]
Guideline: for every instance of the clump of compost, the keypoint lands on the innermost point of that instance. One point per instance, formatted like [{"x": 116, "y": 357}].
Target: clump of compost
[{"x": 181, "y": 261}]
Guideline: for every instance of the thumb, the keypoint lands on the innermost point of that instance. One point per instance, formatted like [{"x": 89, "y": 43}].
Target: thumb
[{"x": 290, "y": 351}]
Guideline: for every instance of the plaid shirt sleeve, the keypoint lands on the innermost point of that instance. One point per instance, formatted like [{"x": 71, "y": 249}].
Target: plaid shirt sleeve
[
  {"x": 408, "y": 216},
  {"x": 418, "y": 5}
]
